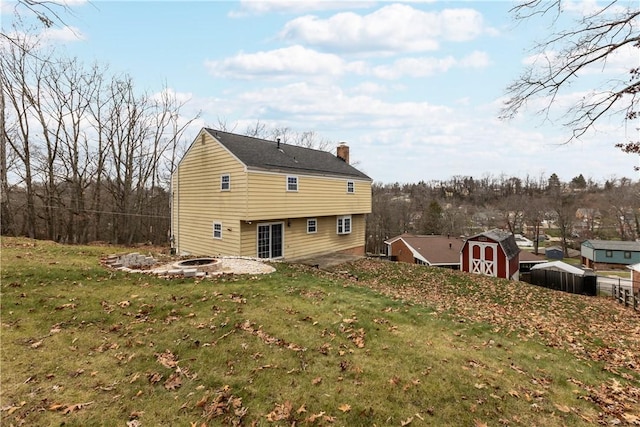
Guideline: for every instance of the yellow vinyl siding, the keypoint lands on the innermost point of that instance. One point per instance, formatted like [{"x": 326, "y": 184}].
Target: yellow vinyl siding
[
  {"x": 259, "y": 197},
  {"x": 299, "y": 244},
  {"x": 198, "y": 200},
  {"x": 268, "y": 197}
]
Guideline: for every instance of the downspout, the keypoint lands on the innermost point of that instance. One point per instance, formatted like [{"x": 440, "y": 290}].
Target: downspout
[{"x": 175, "y": 211}]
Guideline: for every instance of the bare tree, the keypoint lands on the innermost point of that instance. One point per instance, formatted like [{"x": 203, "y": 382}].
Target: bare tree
[
  {"x": 623, "y": 203},
  {"x": 15, "y": 65},
  {"x": 595, "y": 39},
  {"x": 534, "y": 213},
  {"x": 512, "y": 209},
  {"x": 48, "y": 12}
]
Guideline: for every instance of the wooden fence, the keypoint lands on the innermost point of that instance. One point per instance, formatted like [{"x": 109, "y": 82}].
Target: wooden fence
[{"x": 626, "y": 297}]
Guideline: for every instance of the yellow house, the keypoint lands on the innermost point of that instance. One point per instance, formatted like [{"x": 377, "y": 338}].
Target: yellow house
[{"x": 244, "y": 196}]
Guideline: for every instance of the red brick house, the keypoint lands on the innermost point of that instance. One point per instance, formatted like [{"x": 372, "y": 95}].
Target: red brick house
[{"x": 491, "y": 253}]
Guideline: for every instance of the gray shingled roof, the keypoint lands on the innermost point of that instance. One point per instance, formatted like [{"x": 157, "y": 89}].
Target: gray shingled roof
[
  {"x": 261, "y": 154},
  {"x": 614, "y": 245},
  {"x": 506, "y": 240}
]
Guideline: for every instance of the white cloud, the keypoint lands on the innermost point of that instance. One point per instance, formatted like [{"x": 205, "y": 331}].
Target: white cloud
[
  {"x": 64, "y": 34},
  {"x": 424, "y": 67},
  {"x": 476, "y": 59},
  {"x": 392, "y": 28},
  {"x": 414, "y": 67},
  {"x": 428, "y": 141},
  {"x": 368, "y": 88},
  {"x": 256, "y": 7},
  {"x": 294, "y": 60},
  {"x": 46, "y": 37},
  {"x": 312, "y": 106},
  {"x": 592, "y": 7}
]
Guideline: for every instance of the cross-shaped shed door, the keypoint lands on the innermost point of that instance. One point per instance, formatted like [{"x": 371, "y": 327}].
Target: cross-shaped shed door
[{"x": 483, "y": 258}]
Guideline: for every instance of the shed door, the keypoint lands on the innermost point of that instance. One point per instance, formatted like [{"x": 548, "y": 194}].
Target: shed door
[
  {"x": 270, "y": 240},
  {"x": 483, "y": 258}
]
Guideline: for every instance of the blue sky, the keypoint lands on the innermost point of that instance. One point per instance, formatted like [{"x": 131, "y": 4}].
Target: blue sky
[{"x": 414, "y": 88}]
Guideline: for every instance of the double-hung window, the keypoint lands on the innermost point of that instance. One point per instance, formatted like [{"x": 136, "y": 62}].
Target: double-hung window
[
  {"x": 351, "y": 187},
  {"x": 217, "y": 230},
  {"x": 312, "y": 225},
  {"x": 344, "y": 224},
  {"x": 292, "y": 183},
  {"x": 225, "y": 182}
]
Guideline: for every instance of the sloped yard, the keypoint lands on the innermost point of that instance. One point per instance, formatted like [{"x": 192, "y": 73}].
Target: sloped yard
[{"x": 369, "y": 343}]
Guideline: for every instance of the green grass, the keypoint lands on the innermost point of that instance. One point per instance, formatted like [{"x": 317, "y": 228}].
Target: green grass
[{"x": 82, "y": 345}]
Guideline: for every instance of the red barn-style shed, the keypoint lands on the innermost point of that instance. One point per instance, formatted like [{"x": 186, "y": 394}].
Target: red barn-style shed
[{"x": 491, "y": 253}]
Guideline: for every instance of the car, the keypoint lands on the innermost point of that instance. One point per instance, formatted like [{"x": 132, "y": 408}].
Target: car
[{"x": 522, "y": 241}]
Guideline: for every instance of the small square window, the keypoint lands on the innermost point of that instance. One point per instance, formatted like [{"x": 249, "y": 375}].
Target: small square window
[
  {"x": 608, "y": 254},
  {"x": 292, "y": 183},
  {"x": 225, "y": 182},
  {"x": 627, "y": 254},
  {"x": 351, "y": 187},
  {"x": 312, "y": 225},
  {"x": 217, "y": 230},
  {"x": 344, "y": 224}
]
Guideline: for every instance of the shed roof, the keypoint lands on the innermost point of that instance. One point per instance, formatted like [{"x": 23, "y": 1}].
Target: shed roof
[
  {"x": 531, "y": 258},
  {"x": 262, "y": 154},
  {"x": 560, "y": 266},
  {"x": 433, "y": 249},
  {"x": 613, "y": 245},
  {"x": 506, "y": 240},
  {"x": 634, "y": 267}
]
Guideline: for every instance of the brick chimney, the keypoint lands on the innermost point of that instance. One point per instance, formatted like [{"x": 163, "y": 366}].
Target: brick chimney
[{"x": 343, "y": 152}]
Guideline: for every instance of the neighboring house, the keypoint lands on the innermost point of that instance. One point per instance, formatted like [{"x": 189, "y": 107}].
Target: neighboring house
[
  {"x": 554, "y": 252},
  {"x": 522, "y": 241},
  {"x": 491, "y": 253},
  {"x": 527, "y": 260},
  {"x": 244, "y": 196},
  {"x": 635, "y": 278},
  {"x": 441, "y": 251},
  {"x": 437, "y": 251},
  {"x": 602, "y": 254}
]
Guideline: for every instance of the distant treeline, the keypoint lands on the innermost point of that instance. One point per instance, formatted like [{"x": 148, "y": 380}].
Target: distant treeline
[{"x": 463, "y": 205}]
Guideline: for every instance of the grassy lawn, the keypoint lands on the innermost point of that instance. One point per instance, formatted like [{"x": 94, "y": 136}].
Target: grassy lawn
[{"x": 370, "y": 343}]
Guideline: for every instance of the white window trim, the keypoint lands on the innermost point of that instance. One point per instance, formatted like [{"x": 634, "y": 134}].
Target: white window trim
[
  {"x": 228, "y": 175},
  {"x": 258, "y": 237},
  {"x": 315, "y": 221},
  {"x": 340, "y": 221},
  {"x": 297, "y": 183},
  {"x": 214, "y": 230},
  {"x": 351, "y": 185}
]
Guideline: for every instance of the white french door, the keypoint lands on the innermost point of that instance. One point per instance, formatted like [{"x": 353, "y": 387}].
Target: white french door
[{"x": 270, "y": 237}]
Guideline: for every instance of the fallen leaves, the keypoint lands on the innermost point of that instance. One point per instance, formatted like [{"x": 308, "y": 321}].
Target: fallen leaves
[
  {"x": 249, "y": 327},
  {"x": 280, "y": 412},
  {"x": 173, "y": 382},
  {"x": 10, "y": 409},
  {"x": 224, "y": 406},
  {"x": 345, "y": 407},
  {"x": 167, "y": 359},
  {"x": 587, "y": 327},
  {"x": 67, "y": 409},
  {"x": 562, "y": 408}
]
